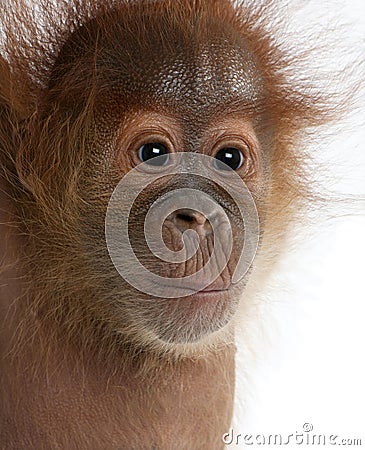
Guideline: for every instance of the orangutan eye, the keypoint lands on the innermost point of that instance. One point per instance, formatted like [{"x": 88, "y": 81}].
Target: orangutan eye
[
  {"x": 150, "y": 152},
  {"x": 229, "y": 158}
]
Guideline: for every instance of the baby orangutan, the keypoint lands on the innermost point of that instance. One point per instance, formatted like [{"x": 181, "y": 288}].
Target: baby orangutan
[{"x": 179, "y": 115}]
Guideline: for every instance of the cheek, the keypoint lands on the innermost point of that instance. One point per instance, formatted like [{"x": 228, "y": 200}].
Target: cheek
[
  {"x": 105, "y": 163},
  {"x": 259, "y": 184}
]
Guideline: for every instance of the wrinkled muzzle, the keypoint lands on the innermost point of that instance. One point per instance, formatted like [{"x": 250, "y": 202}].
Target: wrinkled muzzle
[{"x": 182, "y": 229}]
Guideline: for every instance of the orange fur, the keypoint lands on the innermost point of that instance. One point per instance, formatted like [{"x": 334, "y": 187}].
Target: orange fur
[{"x": 56, "y": 92}]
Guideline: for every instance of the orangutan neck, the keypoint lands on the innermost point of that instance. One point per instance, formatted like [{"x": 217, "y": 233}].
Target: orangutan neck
[{"x": 188, "y": 406}]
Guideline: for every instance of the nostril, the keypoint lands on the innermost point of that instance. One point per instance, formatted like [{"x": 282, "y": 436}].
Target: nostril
[
  {"x": 190, "y": 216},
  {"x": 185, "y": 217},
  {"x": 190, "y": 219}
]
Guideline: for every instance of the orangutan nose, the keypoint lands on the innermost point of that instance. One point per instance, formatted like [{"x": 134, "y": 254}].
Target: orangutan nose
[{"x": 189, "y": 219}]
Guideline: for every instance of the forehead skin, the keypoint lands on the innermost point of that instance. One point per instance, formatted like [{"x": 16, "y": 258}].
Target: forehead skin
[
  {"x": 193, "y": 64},
  {"x": 193, "y": 78},
  {"x": 211, "y": 77}
]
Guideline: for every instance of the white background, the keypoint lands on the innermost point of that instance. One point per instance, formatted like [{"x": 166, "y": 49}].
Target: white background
[{"x": 309, "y": 354}]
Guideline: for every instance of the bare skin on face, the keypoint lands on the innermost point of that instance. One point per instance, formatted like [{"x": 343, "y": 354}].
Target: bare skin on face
[{"x": 87, "y": 360}]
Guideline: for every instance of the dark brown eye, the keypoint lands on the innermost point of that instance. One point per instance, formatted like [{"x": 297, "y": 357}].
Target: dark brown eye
[
  {"x": 154, "y": 153},
  {"x": 229, "y": 158}
]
